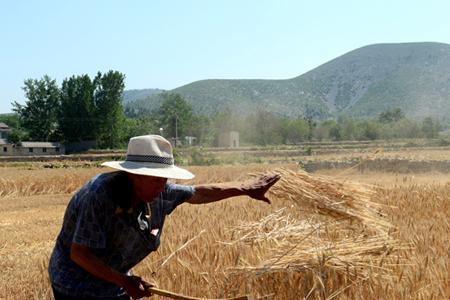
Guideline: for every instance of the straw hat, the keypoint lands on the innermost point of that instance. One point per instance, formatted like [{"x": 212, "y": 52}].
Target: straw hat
[{"x": 150, "y": 155}]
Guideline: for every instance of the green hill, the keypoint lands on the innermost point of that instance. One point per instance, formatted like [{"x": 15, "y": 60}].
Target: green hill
[
  {"x": 132, "y": 95},
  {"x": 364, "y": 82}
]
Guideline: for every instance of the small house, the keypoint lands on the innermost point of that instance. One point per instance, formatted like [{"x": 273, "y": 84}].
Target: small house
[
  {"x": 6, "y": 148},
  {"x": 190, "y": 140},
  {"x": 4, "y": 131},
  {"x": 39, "y": 148},
  {"x": 229, "y": 139}
]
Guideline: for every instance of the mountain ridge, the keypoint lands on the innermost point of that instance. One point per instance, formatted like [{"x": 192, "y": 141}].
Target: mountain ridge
[
  {"x": 136, "y": 94},
  {"x": 360, "y": 83}
]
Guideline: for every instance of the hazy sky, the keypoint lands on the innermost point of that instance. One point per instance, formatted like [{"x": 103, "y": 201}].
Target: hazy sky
[{"x": 166, "y": 44}]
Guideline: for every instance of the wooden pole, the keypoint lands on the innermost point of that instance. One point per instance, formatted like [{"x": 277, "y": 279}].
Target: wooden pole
[{"x": 175, "y": 296}]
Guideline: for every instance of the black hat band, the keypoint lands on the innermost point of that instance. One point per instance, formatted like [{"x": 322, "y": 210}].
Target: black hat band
[{"x": 150, "y": 159}]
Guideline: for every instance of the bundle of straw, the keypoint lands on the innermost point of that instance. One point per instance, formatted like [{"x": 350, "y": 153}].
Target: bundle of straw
[
  {"x": 301, "y": 245},
  {"x": 326, "y": 196},
  {"x": 293, "y": 241}
]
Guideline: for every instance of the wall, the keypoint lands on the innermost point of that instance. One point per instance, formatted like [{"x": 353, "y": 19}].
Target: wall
[
  {"x": 25, "y": 151},
  {"x": 9, "y": 150}
]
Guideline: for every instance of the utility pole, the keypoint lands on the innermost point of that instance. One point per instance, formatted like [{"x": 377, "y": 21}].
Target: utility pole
[{"x": 176, "y": 130}]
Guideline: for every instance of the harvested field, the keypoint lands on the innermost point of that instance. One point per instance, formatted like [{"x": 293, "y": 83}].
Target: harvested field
[
  {"x": 231, "y": 244},
  {"x": 364, "y": 159},
  {"x": 381, "y": 165}
]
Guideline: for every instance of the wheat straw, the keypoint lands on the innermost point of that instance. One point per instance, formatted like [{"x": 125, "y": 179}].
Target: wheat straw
[
  {"x": 326, "y": 196},
  {"x": 302, "y": 242}
]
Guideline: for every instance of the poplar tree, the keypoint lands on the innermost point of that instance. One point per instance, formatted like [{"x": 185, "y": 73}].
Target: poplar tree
[
  {"x": 39, "y": 115},
  {"x": 77, "y": 113},
  {"x": 109, "y": 110}
]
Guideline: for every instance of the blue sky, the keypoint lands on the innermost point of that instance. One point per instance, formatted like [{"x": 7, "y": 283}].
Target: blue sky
[{"x": 166, "y": 44}]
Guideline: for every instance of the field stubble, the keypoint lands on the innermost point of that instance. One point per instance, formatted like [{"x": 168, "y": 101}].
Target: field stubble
[{"x": 32, "y": 204}]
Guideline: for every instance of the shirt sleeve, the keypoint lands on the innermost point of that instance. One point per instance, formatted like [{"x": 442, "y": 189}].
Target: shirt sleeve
[
  {"x": 91, "y": 225},
  {"x": 174, "y": 195}
]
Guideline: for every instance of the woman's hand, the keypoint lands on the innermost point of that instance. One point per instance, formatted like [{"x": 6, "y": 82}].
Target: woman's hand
[
  {"x": 136, "y": 287},
  {"x": 258, "y": 188}
]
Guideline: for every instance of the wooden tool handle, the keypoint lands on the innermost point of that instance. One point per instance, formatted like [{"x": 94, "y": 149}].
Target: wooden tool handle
[{"x": 172, "y": 295}]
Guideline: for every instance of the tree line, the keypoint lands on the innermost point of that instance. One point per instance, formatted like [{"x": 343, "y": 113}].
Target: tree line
[
  {"x": 81, "y": 109},
  {"x": 85, "y": 109},
  {"x": 263, "y": 127}
]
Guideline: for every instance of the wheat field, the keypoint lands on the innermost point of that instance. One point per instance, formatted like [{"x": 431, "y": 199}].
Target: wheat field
[{"x": 196, "y": 256}]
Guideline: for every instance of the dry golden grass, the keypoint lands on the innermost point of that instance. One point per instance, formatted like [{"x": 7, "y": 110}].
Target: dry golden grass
[{"x": 32, "y": 204}]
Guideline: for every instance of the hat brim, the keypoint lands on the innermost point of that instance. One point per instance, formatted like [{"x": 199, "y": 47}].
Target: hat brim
[{"x": 150, "y": 169}]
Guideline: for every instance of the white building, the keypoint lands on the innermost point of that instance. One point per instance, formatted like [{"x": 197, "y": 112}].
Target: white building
[
  {"x": 39, "y": 148},
  {"x": 30, "y": 148},
  {"x": 229, "y": 139},
  {"x": 190, "y": 140}
]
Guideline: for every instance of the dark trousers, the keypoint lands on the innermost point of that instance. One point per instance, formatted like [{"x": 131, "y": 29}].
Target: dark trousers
[{"x": 60, "y": 296}]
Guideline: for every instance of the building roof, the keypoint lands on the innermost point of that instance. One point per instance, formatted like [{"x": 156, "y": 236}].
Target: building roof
[
  {"x": 3, "y": 126},
  {"x": 3, "y": 142},
  {"x": 40, "y": 145}
]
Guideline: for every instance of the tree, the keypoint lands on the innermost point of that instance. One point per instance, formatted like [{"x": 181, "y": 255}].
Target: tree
[
  {"x": 404, "y": 128},
  {"x": 294, "y": 130},
  {"x": 16, "y": 136},
  {"x": 39, "y": 114},
  {"x": 323, "y": 131},
  {"x": 109, "y": 111},
  {"x": 77, "y": 112},
  {"x": 335, "y": 132},
  {"x": 390, "y": 116},
  {"x": 175, "y": 115},
  {"x": 310, "y": 113},
  {"x": 430, "y": 128},
  {"x": 370, "y": 130},
  {"x": 139, "y": 126},
  {"x": 348, "y": 128},
  {"x": 265, "y": 128},
  {"x": 12, "y": 120},
  {"x": 200, "y": 127}
]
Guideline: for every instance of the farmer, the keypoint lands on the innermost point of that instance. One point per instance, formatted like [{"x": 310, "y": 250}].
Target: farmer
[{"x": 116, "y": 219}]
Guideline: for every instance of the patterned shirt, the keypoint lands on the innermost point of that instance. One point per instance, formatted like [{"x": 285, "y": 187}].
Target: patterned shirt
[{"x": 99, "y": 217}]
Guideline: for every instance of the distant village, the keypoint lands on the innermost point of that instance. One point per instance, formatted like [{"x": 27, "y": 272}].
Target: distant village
[
  {"x": 27, "y": 148},
  {"x": 226, "y": 140}
]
